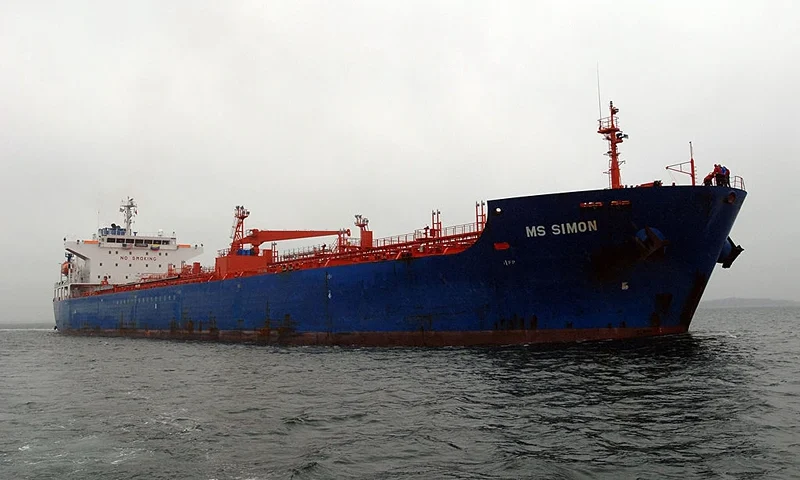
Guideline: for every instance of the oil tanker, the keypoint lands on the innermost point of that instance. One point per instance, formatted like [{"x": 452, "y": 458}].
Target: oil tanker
[{"x": 612, "y": 263}]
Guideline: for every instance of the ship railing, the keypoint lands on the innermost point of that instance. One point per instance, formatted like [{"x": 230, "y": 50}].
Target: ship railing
[
  {"x": 189, "y": 269},
  {"x": 460, "y": 229},
  {"x": 303, "y": 252},
  {"x": 174, "y": 272},
  {"x": 143, "y": 235},
  {"x": 452, "y": 240},
  {"x": 458, "y": 236},
  {"x": 425, "y": 234},
  {"x": 395, "y": 240},
  {"x": 605, "y": 123},
  {"x": 345, "y": 245},
  {"x": 350, "y": 242},
  {"x": 735, "y": 182},
  {"x": 184, "y": 276},
  {"x": 225, "y": 251},
  {"x": 154, "y": 277}
]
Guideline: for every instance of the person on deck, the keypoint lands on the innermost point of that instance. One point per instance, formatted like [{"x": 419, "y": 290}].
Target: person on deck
[
  {"x": 726, "y": 175},
  {"x": 707, "y": 179},
  {"x": 719, "y": 178}
]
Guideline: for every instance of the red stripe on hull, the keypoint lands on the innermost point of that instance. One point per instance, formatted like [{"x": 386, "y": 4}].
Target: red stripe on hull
[{"x": 396, "y": 339}]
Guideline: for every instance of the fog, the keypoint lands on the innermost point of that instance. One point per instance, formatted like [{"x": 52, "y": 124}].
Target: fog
[{"x": 310, "y": 112}]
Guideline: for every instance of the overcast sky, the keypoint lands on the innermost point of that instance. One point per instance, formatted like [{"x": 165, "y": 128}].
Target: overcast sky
[{"x": 310, "y": 112}]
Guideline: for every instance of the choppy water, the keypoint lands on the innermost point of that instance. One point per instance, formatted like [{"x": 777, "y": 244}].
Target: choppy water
[{"x": 722, "y": 402}]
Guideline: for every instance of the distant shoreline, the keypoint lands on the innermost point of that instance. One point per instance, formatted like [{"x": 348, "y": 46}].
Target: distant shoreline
[
  {"x": 26, "y": 326},
  {"x": 747, "y": 302}
]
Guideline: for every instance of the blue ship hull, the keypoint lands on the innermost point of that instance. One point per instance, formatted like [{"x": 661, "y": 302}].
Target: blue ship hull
[{"x": 547, "y": 268}]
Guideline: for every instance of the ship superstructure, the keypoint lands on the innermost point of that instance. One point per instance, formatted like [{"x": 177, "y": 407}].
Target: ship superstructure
[{"x": 118, "y": 255}]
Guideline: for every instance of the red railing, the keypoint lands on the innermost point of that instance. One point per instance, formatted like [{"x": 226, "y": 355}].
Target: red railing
[
  {"x": 423, "y": 235},
  {"x": 429, "y": 241}
]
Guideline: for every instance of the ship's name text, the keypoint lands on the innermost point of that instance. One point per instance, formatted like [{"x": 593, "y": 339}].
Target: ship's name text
[
  {"x": 135, "y": 258},
  {"x": 561, "y": 228}
]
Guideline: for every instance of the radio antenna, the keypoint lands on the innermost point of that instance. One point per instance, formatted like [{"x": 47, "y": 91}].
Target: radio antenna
[{"x": 599, "y": 103}]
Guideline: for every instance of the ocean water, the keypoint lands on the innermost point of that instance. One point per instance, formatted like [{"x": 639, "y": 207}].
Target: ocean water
[{"x": 720, "y": 402}]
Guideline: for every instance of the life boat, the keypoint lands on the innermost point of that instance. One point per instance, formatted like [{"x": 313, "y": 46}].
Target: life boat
[{"x": 65, "y": 268}]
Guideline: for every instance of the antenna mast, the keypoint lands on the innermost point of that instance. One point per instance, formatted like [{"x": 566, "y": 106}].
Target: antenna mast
[
  {"x": 678, "y": 167},
  {"x": 599, "y": 104},
  {"x": 239, "y": 215},
  {"x": 609, "y": 129},
  {"x": 128, "y": 210}
]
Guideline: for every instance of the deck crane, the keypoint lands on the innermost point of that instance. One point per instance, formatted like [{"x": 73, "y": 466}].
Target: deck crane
[
  {"x": 255, "y": 237},
  {"x": 241, "y": 259}
]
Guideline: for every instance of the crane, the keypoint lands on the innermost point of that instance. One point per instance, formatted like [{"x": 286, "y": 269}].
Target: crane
[{"x": 256, "y": 237}]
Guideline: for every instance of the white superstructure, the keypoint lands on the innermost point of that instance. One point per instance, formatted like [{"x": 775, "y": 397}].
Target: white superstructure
[{"x": 118, "y": 255}]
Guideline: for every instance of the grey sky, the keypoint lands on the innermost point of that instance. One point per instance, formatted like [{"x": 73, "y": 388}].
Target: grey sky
[{"x": 309, "y": 112}]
